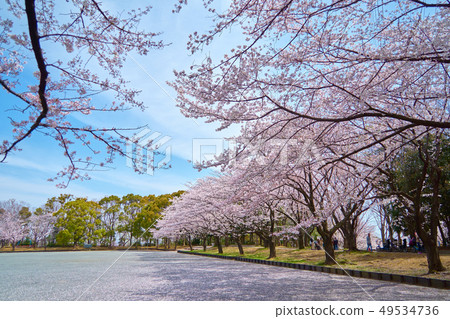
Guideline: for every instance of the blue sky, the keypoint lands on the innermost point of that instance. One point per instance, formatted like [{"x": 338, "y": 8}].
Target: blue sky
[{"x": 24, "y": 176}]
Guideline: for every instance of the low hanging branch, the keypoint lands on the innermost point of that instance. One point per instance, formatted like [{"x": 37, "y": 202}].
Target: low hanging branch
[{"x": 51, "y": 104}]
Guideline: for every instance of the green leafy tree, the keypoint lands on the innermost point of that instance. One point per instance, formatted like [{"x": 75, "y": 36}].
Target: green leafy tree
[
  {"x": 25, "y": 214},
  {"x": 150, "y": 213},
  {"x": 52, "y": 205},
  {"x": 131, "y": 206},
  {"x": 78, "y": 221},
  {"x": 110, "y": 211},
  {"x": 418, "y": 178}
]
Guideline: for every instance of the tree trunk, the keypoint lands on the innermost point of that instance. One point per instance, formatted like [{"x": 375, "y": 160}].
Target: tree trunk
[
  {"x": 218, "y": 244},
  {"x": 430, "y": 240},
  {"x": 330, "y": 258},
  {"x": 433, "y": 258},
  {"x": 350, "y": 241},
  {"x": 110, "y": 241},
  {"x": 327, "y": 238},
  {"x": 204, "y": 243},
  {"x": 382, "y": 230},
  {"x": 352, "y": 245},
  {"x": 190, "y": 243},
  {"x": 239, "y": 244},
  {"x": 272, "y": 250},
  {"x": 349, "y": 233},
  {"x": 227, "y": 241},
  {"x": 300, "y": 241}
]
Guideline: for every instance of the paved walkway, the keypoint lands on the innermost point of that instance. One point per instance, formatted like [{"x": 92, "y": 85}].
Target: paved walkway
[{"x": 172, "y": 276}]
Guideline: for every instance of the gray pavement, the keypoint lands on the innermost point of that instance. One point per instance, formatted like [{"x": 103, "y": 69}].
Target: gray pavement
[{"x": 171, "y": 276}]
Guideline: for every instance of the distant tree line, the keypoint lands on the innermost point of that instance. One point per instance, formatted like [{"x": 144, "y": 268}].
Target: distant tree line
[{"x": 67, "y": 220}]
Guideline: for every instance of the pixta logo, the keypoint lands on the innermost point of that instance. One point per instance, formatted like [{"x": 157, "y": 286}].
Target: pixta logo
[{"x": 146, "y": 151}]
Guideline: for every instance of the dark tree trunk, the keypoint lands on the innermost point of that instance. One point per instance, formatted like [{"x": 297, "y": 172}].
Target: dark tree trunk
[
  {"x": 350, "y": 241},
  {"x": 433, "y": 258},
  {"x": 348, "y": 230},
  {"x": 239, "y": 244},
  {"x": 272, "y": 250},
  {"x": 190, "y": 243},
  {"x": 300, "y": 240},
  {"x": 271, "y": 240},
  {"x": 219, "y": 244},
  {"x": 430, "y": 240},
  {"x": 382, "y": 227},
  {"x": 205, "y": 243},
  {"x": 330, "y": 258},
  {"x": 227, "y": 241},
  {"x": 391, "y": 234},
  {"x": 327, "y": 237}
]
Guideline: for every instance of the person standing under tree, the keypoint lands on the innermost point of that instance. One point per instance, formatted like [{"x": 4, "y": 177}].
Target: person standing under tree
[
  {"x": 369, "y": 243},
  {"x": 335, "y": 244}
]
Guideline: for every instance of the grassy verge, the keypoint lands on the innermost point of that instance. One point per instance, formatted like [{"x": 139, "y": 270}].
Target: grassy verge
[{"x": 387, "y": 262}]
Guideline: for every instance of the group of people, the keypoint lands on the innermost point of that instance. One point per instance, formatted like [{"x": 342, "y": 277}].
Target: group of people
[
  {"x": 317, "y": 243},
  {"x": 413, "y": 243}
]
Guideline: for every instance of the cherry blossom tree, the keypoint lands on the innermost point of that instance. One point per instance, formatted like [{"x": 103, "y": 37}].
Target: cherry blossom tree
[
  {"x": 361, "y": 79},
  {"x": 91, "y": 45},
  {"x": 12, "y": 228},
  {"x": 307, "y": 193},
  {"x": 326, "y": 198},
  {"x": 357, "y": 62},
  {"x": 40, "y": 226},
  {"x": 212, "y": 206}
]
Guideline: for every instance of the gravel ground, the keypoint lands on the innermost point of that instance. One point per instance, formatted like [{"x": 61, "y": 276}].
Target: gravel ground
[{"x": 171, "y": 276}]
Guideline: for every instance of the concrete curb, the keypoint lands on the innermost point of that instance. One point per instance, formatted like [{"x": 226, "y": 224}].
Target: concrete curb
[{"x": 410, "y": 280}]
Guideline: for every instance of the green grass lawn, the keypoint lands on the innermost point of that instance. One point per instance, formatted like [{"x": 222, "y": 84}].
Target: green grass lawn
[{"x": 388, "y": 262}]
